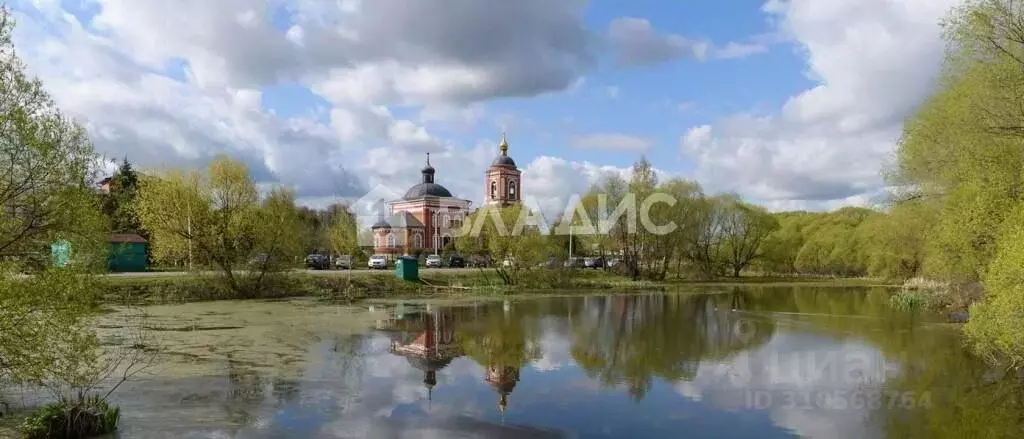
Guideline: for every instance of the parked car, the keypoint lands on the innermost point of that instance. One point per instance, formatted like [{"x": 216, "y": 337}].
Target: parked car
[
  {"x": 433, "y": 261},
  {"x": 343, "y": 262},
  {"x": 613, "y": 262},
  {"x": 595, "y": 262},
  {"x": 509, "y": 262},
  {"x": 456, "y": 261},
  {"x": 574, "y": 263},
  {"x": 377, "y": 262},
  {"x": 550, "y": 263},
  {"x": 317, "y": 262}
]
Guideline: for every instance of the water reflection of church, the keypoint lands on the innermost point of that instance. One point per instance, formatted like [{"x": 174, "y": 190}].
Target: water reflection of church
[{"x": 429, "y": 342}]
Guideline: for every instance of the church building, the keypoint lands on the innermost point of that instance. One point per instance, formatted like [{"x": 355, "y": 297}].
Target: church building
[{"x": 428, "y": 216}]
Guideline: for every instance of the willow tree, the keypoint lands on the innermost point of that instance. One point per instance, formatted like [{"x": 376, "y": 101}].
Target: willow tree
[
  {"x": 46, "y": 195},
  {"x": 744, "y": 230},
  {"x": 511, "y": 235},
  {"x": 217, "y": 218}
]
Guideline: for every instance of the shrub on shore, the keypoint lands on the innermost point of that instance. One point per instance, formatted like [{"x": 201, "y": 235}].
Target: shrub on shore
[{"x": 83, "y": 418}]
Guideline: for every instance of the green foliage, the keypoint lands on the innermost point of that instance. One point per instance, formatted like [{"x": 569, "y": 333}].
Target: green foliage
[
  {"x": 46, "y": 196},
  {"x": 344, "y": 234},
  {"x": 909, "y": 300},
  {"x": 89, "y": 417},
  {"x": 44, "y": 336},
  {"x": 996, "y": 327},
  {"x": 744, "y": 229},
  {"x": 217, "y": 218},
  {"x": 49, "y": 164},
  {"x": 118, "y": 204},
  {"x": 505, "y": 233},
  {"x": 962, "y": 152}
]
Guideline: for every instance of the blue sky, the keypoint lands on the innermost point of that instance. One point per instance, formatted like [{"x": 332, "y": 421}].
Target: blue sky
[{"x": 793, "y": 104}]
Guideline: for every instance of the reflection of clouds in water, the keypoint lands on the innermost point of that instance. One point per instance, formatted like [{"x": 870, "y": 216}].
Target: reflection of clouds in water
[
  {"x": 395, "y": 405},
  {"x": 556, "y": 348},
  {"x": 354, "y": 387},
  {"x": 788, "y": 366},
  {"x": 688, "y": 390}
]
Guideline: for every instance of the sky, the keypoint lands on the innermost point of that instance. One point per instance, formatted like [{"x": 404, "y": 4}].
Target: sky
[{"x": 792, "y": 104}]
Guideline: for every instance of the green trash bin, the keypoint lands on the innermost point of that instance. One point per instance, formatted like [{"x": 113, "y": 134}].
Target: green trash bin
[{"x": 407, "y": 268}]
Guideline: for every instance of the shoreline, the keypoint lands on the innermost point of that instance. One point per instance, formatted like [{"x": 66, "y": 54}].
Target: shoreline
[{"x": 338, "y": 286}]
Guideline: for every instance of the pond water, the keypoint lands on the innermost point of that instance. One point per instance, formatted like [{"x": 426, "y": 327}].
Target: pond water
[{"x": 721, "y": 363}]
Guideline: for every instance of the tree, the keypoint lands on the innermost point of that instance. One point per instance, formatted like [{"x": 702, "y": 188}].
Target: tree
[
  {"x": 685, "y": 213},
  {"x": 218, "y": 218},
  {"x": 118, "y": 204},
  {"x": 47, "y": 167},
  {"x": 894, "y": 243},
  {"x": 706, "y": 248},
  {"x": 504, "y": 233},
  {"x": 278, "y": 234},
  {"x": 782, "y": 245},
  {"x": 744, "y": 229},
  {"x": 344, "y": 232}
]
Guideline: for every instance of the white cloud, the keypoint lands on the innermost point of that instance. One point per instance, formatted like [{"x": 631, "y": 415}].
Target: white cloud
[
  {"x": 173, "y": 85},
  {"x": 550, "y": 182},
  {"x": 873, "y": 62},
  {"x": 610, "y": 141}
]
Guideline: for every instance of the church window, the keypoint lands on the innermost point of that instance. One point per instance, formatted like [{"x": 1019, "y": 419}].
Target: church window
[
  {"x": 417, "y": 241},
  {"x": 391, "y": 240},
  {"x": 494, "y": 189},
  {"x": 512, "y": 190}
]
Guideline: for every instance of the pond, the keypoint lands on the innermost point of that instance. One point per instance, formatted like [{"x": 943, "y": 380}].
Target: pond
[{"x": 766, "y": 362}]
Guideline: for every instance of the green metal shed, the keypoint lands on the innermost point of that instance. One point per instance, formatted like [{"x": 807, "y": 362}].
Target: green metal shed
[{"x": 127, "y": 253}]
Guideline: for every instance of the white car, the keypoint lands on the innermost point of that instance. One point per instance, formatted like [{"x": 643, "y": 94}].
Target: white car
[
  {"x": 433, "y": 261},
  {"x": 377, "y": 262}
]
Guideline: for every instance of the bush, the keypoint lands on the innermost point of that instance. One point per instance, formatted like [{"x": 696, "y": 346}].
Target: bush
[{"x": 88, "y": 417}]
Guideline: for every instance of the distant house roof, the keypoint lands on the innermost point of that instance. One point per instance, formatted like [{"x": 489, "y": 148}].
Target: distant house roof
[
  {"x": 400, "y": 220},
  {"x": 126, "y": 238}
]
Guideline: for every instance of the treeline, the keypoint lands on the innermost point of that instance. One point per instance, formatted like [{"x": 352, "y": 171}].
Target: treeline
[
  {"x": 721, "y": 235},
  {"x": 120, "y": 208}
]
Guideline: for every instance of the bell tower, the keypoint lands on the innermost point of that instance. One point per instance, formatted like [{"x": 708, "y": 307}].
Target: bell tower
[{"x": 503, "y": 186}]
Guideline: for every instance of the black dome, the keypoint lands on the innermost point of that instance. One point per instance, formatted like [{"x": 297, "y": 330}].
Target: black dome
[
  {"x": 429, "y": 364},
  {"x": 427, "y": 190},
  {"x": 503, "y": 160}
]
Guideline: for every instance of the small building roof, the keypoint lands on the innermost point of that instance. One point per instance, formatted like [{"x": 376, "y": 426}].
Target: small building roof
[
  {"x": 126, "y": 238},
  {"x": 400, "y": 220}
]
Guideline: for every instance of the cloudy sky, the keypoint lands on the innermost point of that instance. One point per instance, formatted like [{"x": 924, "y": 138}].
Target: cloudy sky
[{"x": 791, "y": 103}]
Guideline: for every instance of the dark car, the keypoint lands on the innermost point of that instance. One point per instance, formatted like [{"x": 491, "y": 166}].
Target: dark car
[
  {"x": 317, "y": 262},
  {"x": 456, "y": 261},
  {"x": 597, "y": 262}
]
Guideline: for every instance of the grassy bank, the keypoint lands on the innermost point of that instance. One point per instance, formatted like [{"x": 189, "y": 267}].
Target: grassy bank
[{"x": 191, "y": 288}]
